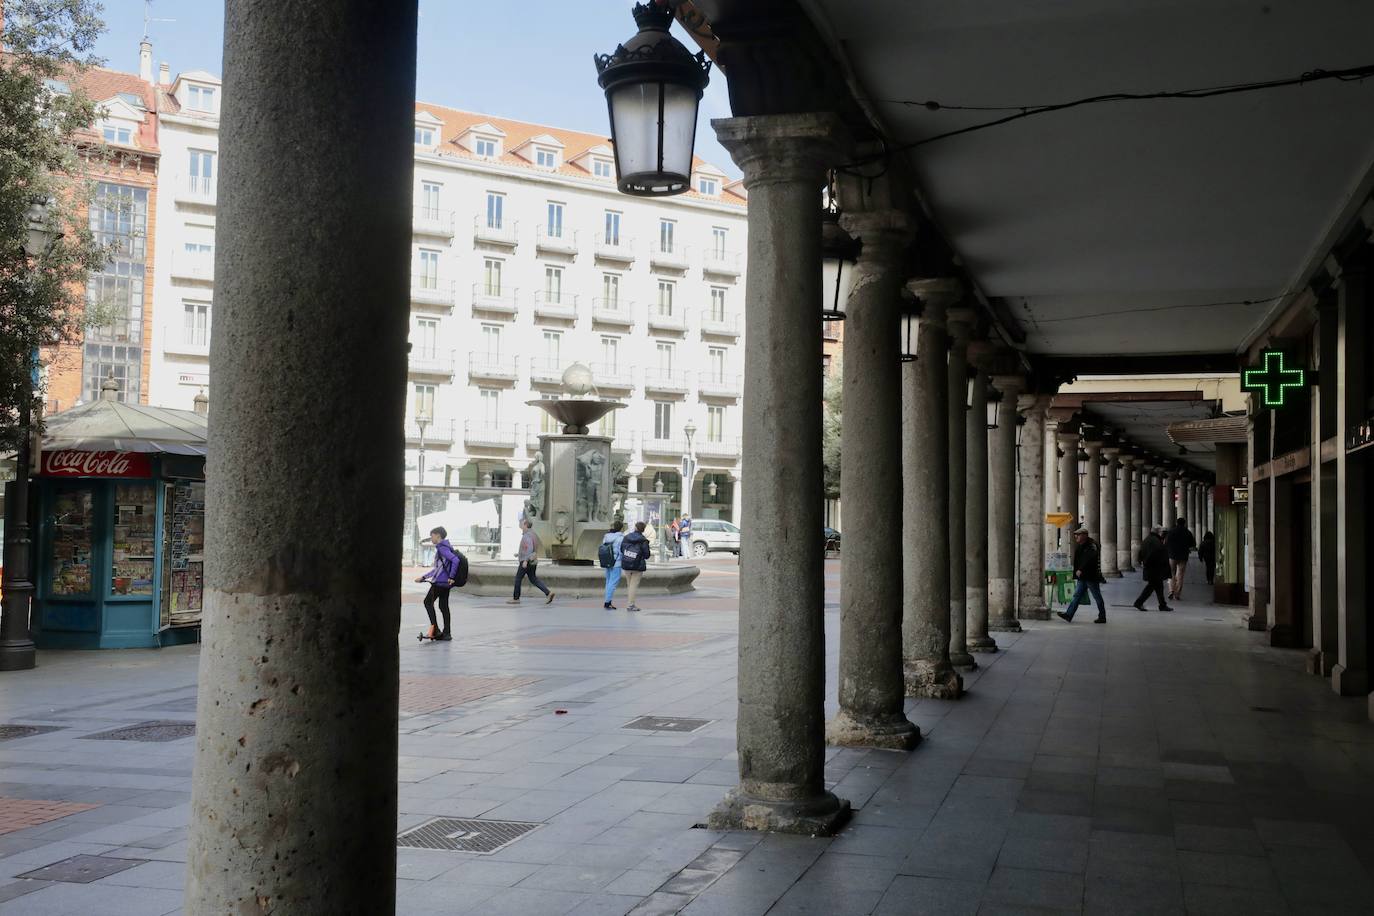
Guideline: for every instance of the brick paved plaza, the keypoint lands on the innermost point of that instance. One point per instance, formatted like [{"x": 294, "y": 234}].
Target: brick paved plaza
[{"x": 1160, "y": 764}]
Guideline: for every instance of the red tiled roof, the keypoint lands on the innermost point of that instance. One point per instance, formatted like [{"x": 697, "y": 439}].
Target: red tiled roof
[
  {"x": 101, "y": 84},
  {"x": 575, "y": 143}
]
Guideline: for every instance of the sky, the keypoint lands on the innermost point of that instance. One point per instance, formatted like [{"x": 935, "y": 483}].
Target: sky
[{"x": 528, "y": 60}]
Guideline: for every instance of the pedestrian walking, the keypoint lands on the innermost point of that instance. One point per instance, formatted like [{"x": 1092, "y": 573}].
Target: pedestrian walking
[
  {"x": 528, "y": 560},
  {"x": 1179, "y": 542},
  {"x": 684, "y": 533},
  {"x": 1207, "y": 553},
  {"x": 634, "y": 556},
  {"x": 442, "y": 578},
  {"x": 1087, "y": 570},
  {"x": 608, "y": 555},
  {"x": 675, "y": 546},
  {"x": 1154, "y": 569}
]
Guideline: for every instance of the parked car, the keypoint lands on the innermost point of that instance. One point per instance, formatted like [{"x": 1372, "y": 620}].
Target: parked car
[
  {"x": 710, "y": 534},
  {"x": 832, "y": 540}
]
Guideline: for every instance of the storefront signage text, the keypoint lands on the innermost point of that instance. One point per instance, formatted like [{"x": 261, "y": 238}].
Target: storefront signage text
[{"x": 70, "y": 463}]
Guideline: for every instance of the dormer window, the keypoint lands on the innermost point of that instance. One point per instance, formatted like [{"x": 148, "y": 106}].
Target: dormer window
[
  {"x": 708, "y": 186},
  {"x": 601, "y": 168},
  {"x": 545, "y": 158},
  {"x": 200, "y": 98},
  {"x": 114, "y": 133},
  {"x": 424, "y": 136},
  {"x": 485, "y": 147}
]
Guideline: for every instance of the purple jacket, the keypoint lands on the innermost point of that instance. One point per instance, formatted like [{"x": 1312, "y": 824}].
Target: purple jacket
[{"x": 445, "y": 565}]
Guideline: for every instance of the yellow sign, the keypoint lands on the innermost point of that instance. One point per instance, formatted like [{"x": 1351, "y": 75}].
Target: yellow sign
[{"x": 1058, "y": 519}]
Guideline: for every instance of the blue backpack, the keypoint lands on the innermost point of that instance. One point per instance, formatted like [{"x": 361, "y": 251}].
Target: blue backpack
[{"x": 605, "y": 554}]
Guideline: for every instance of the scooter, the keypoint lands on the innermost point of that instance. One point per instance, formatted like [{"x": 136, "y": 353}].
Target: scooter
[{"x": 431, "y": 633}]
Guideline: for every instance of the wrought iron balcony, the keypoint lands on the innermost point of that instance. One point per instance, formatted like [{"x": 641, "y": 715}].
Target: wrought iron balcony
[
  {"x": 436, "y": 431},
  {"x": 564, "y": 241},
  {"x": 483, "y": 366},
  {"x": 494, "y": 299},
  {"x": 617, "y": 248},
  {"x": 195, "y": 189},
  {"x": 430, "y": 291},
  {"x": 546, "y": 371},
  {"x": 726, "y": 325},
  {"x": 431, "y": 362},
  {"x": 503, "y": 234},
  {"x": 652, "y": 445},
  {"x": 489, "y": 435},
  {"x": 712, "y": 385},
  {"x": 193, "y": 265},
  {"x": 674, "y": 258},
  {"x": 721, "y": 263},
  {"x": 619, "y": 312},
  {"x": 720, "y": 448},
  {"x": 666, "y": 381},
  {"x": 671, "y": 321},
  {"x": 558, "y": 306},
  {"x": 432, "y": 221},
  {"x": 612, "y": 377}
]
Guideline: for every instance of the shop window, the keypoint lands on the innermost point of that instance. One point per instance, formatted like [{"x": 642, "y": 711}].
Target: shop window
[
  {"x": 135, "y": 518},
  {"x": 71, "y": 543},
  {"x": 183, "y": 553}
]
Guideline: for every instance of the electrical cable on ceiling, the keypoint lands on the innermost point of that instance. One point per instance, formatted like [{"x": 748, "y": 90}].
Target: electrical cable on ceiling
[
  {"x": 1159, "y": 308},
  {"x": 1351, "y": 74}
]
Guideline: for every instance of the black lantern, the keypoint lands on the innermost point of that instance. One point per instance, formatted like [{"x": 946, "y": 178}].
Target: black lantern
[
  {"x": 910, "y": 323},
  {"x": 839, "y": 254},
  {"x": 653, "y": 87},
  {"x": 972, "y": 375},
  {"x": 1020, "y": 428},
  {"x": 994, "y": 403},
  {"x": 1082, "y": 464}
]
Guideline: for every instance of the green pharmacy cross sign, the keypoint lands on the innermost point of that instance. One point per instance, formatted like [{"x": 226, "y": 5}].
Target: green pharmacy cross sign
[{"x": 1272, "y": 379}]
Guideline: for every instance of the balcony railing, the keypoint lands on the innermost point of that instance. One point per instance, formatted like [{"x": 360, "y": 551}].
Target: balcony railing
[
  {"x": 672, "y": 321},
  {"x": 431, "y": 362},
  {"x": 481, "y": 365},
  {"x": 195, "y": 189},
  {"x": 194, "y": 265},
  {"x": 564, "y": 242},
  {"x": 545, "y": 370},
  {"x": 726, "y": 325},
  {"x": 494, "y": 299},
  {"x": 430, "y": 290},
  {"x": 722, "y": 448},
  {"x": 561, "y": 306},
  {"x": 614, "y": 377},
  {"x": 674, "y": 258},
  {"x": 177, "y": 338},
  {"x": 437, "y": 431},
  {"x": 490, "y": 435},
  {"x": 711, "y": 385},
  {"x": 504, "y": 234},
  {"x": 722, "y": 263},
  {"x": 666, "y": 380},
  {"x": 613, "y": 311},
  {"x": 651, "y": 445},
  {"x": 433, "y": 221},
  {"x": 615, "y": 249}
]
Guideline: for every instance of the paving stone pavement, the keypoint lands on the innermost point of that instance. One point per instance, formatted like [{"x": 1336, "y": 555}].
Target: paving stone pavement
[{"x": 1164, "y": 763}]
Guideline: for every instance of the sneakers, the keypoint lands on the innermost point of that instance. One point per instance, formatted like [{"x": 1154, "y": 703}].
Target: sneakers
[
  {"x": 1165, "y": 608},
  {"x": 632, "y": 608},
  {"x": 512, "y": 601},
  {"x": 1064, "y": 617},
  {"x": 549, "y": 598},
  {"x": 445, "y": 636},
  {"x": 608, "y": 606},
  {"x": 1100, "y": 620}
]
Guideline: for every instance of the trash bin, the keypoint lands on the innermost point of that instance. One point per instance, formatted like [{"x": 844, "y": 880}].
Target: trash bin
[{"x": 1061, "y": 585}]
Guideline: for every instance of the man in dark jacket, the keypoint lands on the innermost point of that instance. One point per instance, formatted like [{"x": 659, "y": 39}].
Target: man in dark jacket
[
  {"x": 634, "y": 556},
  {"x": 1087, "y": 569},
  {"x": 1179, "y": 542},
  {"x": 1154, "y": 569}
]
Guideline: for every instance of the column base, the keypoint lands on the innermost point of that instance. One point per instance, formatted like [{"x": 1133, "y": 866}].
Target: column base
[
  {"x": 1113, "y": 574},
  {"x": 1349, "y": 682},
  {"x": 962, "y": 660},
  {"x": 935, "y": 680},
  {"x": 20, "y": 656},
  {"x": 982, "y": 643},
  {"x": 1256, "y": 623},
  {"x": 1004, "y": 625},
  {"x": 822, "y": 815},
  {"x": 1320, "y": 663},
  {"x": 893, "y": 732},
  {"x": 1034, "y": 613}
]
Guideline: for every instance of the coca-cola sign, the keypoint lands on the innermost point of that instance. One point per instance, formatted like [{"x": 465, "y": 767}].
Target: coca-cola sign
[{"x": 69, "y": 463}]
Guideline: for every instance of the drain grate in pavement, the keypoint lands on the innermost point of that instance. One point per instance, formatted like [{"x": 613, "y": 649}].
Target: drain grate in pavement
[
  {"x": 465, "y": 834},
  {"x": 665, "y": 724},
  {"x": 147, "y": 731},
  {"x": 82, "y": 869},
  {"x": 9, "y": 732}
]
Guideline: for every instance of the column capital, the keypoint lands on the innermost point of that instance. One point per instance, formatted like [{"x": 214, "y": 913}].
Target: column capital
[
  {"x": 784, "y": 147},
  {"x": 1138, "y": 463},
  {"x": 1092, "y": 447},
  {"x": 1110, "y": 453},
  {"x": 1067, "y": 437},
  {"x": 1011, "y": 386},
  {"x": 960, "y": 326},
  {"x": 884, "y": 233},
  {"x": 1033, "y": 406},
  {"x": 944, "y": 290}
]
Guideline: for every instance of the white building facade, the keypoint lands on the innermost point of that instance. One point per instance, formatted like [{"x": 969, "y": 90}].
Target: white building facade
[{"x": 526, "y": 259}]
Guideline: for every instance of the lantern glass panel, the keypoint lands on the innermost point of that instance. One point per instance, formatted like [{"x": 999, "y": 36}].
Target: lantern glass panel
[
  {"x": 834, "y": 296},
  {"x": 911, "y": 335},
  {"x": 993, "y": 406},
  {"x": 636, "y": 124}
]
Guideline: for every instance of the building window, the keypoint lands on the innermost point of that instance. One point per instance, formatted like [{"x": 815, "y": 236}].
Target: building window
[
  {"x": 485, "y": 147},
  {"x": 610, "y": 353},
  {"x": 196, "y": 327},
  {"x": 715, "y": 357},
  {"x": 197, "y": 248},
  {"x": 715, "y": 424},
  {"x": 545, "y": 158},
  {"x": 424, "y": 402},
  {"x": 663, "y": 419},
  {"x": 612, "y": 234},
  {"x": 610, "y": 290},
  {"x": 718, "y": 304},
  {"x": 424, "y": 136},
  {"x": 200, "y": 98},
  {"x": 606, "y": 425},
  {"x": 666, "y": 227},
  {"x": 122, "y": 363},
  {"x": 548, "y": 425},
  {"x": 117, "y": 292},
  {"x": 601, "y": 168},
  {"x": 496, "y": 209},
  {"x": 708, "y": 186},
  {"x": 119, "y": 218},
  {"x": 718, "y": 241},
  {"x": 553, "y": 346},
  {"x": 491, "y": 342},
  {"x": 491, "y": 406},
  {"x": 491, "y": 276},
  {"x": 426, "y": 344},
  {"x": 429, "y": 268},
  {"x": 202, "y": 174},
  {"x": 830, "y": 330},
  {"x": 665, "y": 298},
  {"x": 554, "y": 223},
  {"x": 553, "y": 285},
  {"x": 115, "y": 134},
  {"x": 429, "y": 199},
  {"x": 665, "y": 359},
  {"x": 825, "y": 365}
]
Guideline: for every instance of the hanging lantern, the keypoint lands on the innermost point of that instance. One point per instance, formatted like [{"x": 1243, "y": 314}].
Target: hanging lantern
[
  {"x": 994, "y": 403},
  {"x": 1082, "y": 464},
  {"x": 653, "y": 86},
  {"x": 910, "y": 328},
  {"x": 712, "y": 489},
  {"x": 839, "y": 254},
  {"x": 1020, "y": 428},
  {"x": 972, "y": 374}
]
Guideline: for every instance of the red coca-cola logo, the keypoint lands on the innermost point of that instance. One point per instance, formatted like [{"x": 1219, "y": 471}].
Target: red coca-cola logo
[{"x": 69, "y": 463}]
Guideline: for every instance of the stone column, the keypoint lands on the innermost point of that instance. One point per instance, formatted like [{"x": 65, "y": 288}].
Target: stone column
[
  {"x": 872, "y": 694},
  {"x": 1140, "y": 518},
  {"x": 1068, "y": 471},
  {"x": 781, "y": 722},
  {"x": 976, "y": 517},
  {"x": 1002, "y": 507},
  {"x": 1092, "y": 491},
  {"x": 960, "y": 328},
  {"x": 1354, "y": 302},
  {"x": 1111, "y": 562},
  {"x": 1171, "y": 499},
  {"x": 1125, "y": 525},
  {"x": 736, "y": 498},
  {"x": 925, "y": 500},
  {"x": 1257, "y": 516},
  {"x": 1031, "y": 512},
  {"x": 293, "y": 794},
  {"x": 1156, "y": 500}
]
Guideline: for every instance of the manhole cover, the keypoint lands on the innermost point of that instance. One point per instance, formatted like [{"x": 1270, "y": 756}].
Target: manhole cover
[
  {"x": 82, "y": 869},
  {"x": 464, "y": 834},
  {"x": 7, "y": 732},
  {"x": 665, "y": 724},
  {"x": 147, "y": 731}
]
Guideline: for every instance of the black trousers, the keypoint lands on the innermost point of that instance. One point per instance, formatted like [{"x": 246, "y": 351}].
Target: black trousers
[
  {"x": 440, "y": 593},
  {"x": 1211, "y": 570},
  {"x": 1156, "y": 586}
]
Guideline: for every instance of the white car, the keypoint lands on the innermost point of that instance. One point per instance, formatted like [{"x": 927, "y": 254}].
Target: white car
[{"x": 712, "y": 534}]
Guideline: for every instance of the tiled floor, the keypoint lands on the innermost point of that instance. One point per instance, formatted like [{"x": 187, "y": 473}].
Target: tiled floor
[{"x": 1159, "y": 764}]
